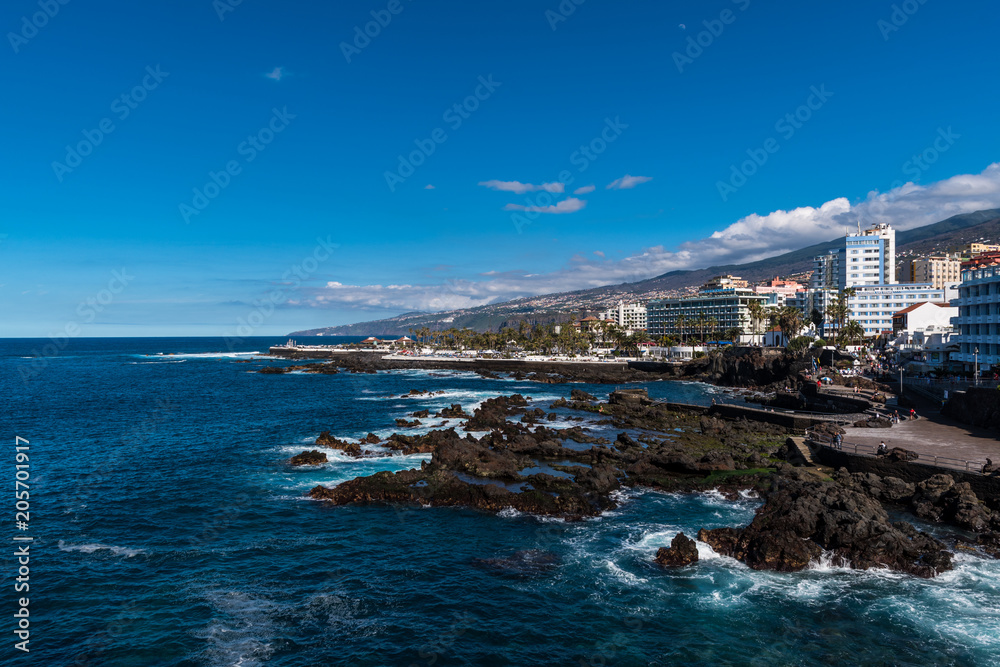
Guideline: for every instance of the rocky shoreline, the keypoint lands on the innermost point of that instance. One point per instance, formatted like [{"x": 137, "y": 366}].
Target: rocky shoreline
[
  {"x": 505, "y": 457},
  {"x": 752, "y": 368}
]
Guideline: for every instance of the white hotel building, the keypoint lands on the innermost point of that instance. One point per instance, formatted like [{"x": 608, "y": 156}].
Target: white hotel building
[{"x": 978, "y": 320}]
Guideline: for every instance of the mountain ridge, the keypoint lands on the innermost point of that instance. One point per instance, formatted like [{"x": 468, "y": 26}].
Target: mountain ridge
[{"x": 564, "y": 306}]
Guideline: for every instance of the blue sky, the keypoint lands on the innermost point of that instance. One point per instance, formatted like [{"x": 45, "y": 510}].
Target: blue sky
[{"x": 873, "y": 86}]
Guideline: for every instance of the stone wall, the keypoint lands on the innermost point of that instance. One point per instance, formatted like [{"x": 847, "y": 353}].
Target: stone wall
[{"x": 979, "y": 406}]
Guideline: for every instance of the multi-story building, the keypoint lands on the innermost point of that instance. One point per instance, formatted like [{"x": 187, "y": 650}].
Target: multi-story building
[
  {"x": 829, "y": 271},
  {"x": 728, "y": 306},
  {"x": 870, "y": 256},
  {"x": 628, "y": 316},
  {"x": 867, "y": 258},
  {"x": 972, "y": 249},
  {"x": 723, "y": 282},
  {"x": 874, "y": 305},
  {"x": 938, "y": 270},
  {"x": 782, "y": 288},
  {"x": 978, "y": 321}
]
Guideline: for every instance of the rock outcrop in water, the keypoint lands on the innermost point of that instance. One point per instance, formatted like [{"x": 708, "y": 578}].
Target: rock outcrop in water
[
  {"x": 682, "y": 551},
  {"x": 803, "y": 520},
  {"x": 308, "y": 458}
]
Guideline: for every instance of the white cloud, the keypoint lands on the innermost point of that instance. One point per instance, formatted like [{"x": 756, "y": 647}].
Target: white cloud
[
  {"x": 748, "y": 239},
  {"x": 276, "y": 73},
  {"x": 571, "y": 205},
  {"x": 599, "y": 253},
  {"x": 517, "y": 187},
  {"x": 429, "y": 187},
  {"x": 585, "y": 189},
  {"x": 627, "y": 182}
]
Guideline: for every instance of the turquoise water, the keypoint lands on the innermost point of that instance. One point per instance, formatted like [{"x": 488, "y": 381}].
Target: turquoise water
[{"x": 169, "y": 530}]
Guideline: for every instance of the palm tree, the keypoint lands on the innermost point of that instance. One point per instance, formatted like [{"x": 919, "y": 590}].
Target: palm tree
[
  {"x": 679, "y": 324},
  {"x": 853, "y": 331},
  {"x": 701, "y": 319},
  {"x": 713, "y": 325},
  {"x": 789, "y": 320},
  {"x": 757, "y": 315},
  {"x": 733, "y": 334}
]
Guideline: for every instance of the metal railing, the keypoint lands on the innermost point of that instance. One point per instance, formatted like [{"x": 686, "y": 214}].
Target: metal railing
[
  {"x": 728, "y": 400},
  {"x": 974, "y": 467}
]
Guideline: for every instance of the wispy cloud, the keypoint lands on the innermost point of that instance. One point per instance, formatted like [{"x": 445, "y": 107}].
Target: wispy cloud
[
  {"x": 748, "y": 239},
  {"x": 517, "y": 187},
  {"x": 429, "y": 187},
  {"x": 277, "y": 73},
  {"x": 571, "y": 205},
  {"x": 585, "y": 189},
  {"x": 628, "y": 182}
]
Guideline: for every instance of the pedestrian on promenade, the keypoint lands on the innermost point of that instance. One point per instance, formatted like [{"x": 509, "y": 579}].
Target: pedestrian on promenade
[
  {"x": 839, "y": 441},
  {"x": 913, "y": 413},
  {"x": 882, "y": 448}
]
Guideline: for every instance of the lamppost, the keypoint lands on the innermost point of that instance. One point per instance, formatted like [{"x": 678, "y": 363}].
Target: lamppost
[{"x": 976, "y": 375}]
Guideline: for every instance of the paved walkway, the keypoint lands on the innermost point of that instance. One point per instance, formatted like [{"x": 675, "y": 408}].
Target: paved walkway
[{"x": 933, "y": 435}]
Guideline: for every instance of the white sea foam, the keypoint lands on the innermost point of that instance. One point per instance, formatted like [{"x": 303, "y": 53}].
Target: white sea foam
[
  {"x": 240, "y": 631},
  {"x": 202, "y": 355},
  {"x": 92, "y": 547},
  {"x": 622, "y": 575}
]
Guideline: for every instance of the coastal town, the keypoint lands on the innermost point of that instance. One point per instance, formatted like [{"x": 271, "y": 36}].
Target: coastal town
[{"x": 933, "y": 315}]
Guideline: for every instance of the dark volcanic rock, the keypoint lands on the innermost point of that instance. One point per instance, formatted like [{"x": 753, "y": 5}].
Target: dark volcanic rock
[
  {"x": 682, "y": 551},
  {"x": 308, "y": 458},
  {"x": 802, "y": 519},
  {"x": 493, "y": 412},
  {"x": 902, "y": 455},
  {"x": 349, "y": 448},
  {"x": 580, "y": 395},
  {"x": 420, "y": 414},
  {"x": 454, "y": 412},
  {"x": 405, "y": 424},
  {"x": 939, "y": 498},
  {"x": 371, "y": 439},
  {"x": 878, "y": 422}
]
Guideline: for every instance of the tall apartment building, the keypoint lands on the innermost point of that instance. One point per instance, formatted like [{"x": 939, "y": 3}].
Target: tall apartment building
[
  {"x": 866, "y": 258},
  {"x": 978, "y": 320},
  {"x": 628, "y": 316},
  {"x": 938, "y": 270}
]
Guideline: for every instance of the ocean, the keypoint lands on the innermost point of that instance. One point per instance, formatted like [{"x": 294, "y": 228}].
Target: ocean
[{"x": 168, "y": 529}]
